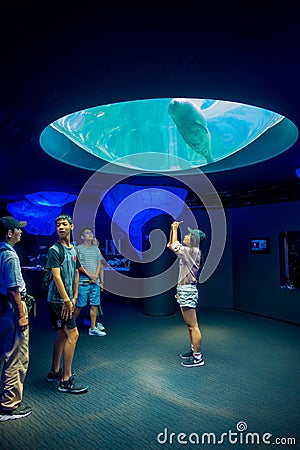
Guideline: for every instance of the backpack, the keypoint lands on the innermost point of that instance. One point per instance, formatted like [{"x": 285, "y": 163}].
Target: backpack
[
  {"x": 29, "y": 300},
  {"x": 47, "y": 273}
]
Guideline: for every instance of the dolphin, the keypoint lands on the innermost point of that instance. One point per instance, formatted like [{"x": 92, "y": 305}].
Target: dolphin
[{"x": 191, "y": 124}]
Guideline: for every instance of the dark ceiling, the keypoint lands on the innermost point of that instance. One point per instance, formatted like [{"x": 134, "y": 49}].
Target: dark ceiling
[{"x": 69, "y": 57}]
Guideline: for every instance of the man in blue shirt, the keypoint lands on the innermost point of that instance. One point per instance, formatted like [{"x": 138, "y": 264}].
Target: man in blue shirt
[{"x": 14, "y": 326}]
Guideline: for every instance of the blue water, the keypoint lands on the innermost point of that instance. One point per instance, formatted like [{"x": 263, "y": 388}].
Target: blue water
[{"x": 128, "y": 130}]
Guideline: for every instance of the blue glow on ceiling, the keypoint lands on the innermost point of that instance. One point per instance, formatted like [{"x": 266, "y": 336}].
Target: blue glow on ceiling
[
  {"x": 40, "y": 209},
  {"x": 203, "y": 132},
  {"x": 50, "y": 198},
  {"x": 40, "y": 219},
  {"x": 148, "y": 203}
]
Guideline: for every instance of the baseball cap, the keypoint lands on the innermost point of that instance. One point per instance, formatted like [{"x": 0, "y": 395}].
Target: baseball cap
[
  {"x": 197, "y": 233},
  {"x": 10, "y": 223}
]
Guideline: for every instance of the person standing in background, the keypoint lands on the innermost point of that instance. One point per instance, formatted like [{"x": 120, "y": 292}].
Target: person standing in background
[
  {"x": 104, "y": 263},
  {"x": 90, "y": 281},
  {"x": 14, "y": 325}
]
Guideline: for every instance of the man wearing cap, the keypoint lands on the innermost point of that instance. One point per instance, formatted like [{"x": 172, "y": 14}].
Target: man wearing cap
[
  {"x": 14, "y": 332},
  {"x": 190, "y": 257}
]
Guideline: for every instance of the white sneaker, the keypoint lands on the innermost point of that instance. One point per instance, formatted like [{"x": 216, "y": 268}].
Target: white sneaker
[
  {"x": 96, "y": 332},
  {"x": 100, "y": 326}
]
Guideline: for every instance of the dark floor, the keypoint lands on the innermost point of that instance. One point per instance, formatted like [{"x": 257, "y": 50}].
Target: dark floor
[{"x": 139, "y": 390}]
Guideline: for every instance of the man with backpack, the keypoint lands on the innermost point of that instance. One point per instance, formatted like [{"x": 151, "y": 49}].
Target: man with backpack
[{"x": 62, "y": 296}]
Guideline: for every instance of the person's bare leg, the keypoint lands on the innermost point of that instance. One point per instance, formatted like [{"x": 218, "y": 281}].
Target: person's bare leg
[
  {"x": 93, "y": 315},
  {"x": 190, "y": 318},
  {"x": 58, "y": 348},
  {"x": 69, "y": 349}
]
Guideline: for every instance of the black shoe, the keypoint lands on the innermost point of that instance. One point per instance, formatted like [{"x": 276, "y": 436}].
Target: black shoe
[
  {"x": 70, "y": 387},
  {"x": 14, "y": 414},
  {"x": 54, "y": 376},
  {"x": 193, "y": 362},
  {"x": 187, "y": 355}
]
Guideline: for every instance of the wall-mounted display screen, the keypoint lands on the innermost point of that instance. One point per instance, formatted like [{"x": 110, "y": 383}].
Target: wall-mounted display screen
[{"x": 259, "y": 245}]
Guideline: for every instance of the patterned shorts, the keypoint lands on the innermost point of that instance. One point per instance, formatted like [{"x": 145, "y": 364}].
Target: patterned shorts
[{"x": 187, "y": 295}]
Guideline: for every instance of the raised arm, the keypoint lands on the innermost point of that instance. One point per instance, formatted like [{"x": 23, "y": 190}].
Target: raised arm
[{"x": 173, "y": 233}]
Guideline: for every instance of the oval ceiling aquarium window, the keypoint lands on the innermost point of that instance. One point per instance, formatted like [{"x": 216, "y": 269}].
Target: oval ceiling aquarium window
[{"x": 169, "y": 135}]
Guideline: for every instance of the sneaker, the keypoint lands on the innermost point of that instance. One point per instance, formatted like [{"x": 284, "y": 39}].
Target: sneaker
[
  {"x": 193, "y": 362},
  {"x": 57, "y": 376},
  {"x": 100, "y": 326},
  {"x": 71, "y": 388},
  {"x": 14, "y": 414},
  {"x": 96, "y": 332},
  {"x": 54, "y": 376},
  {"x": 187, "y": 355}
]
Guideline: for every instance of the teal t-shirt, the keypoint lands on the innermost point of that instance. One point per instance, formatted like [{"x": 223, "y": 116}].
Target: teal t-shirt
[{"x": 67, "y": 271}]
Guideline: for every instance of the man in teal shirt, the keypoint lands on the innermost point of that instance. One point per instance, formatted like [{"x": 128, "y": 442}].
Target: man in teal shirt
[{"x": 62, "y": 297}]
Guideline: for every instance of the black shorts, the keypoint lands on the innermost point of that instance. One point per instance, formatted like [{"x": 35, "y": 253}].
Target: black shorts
[{"x": 55, "y": 315}]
